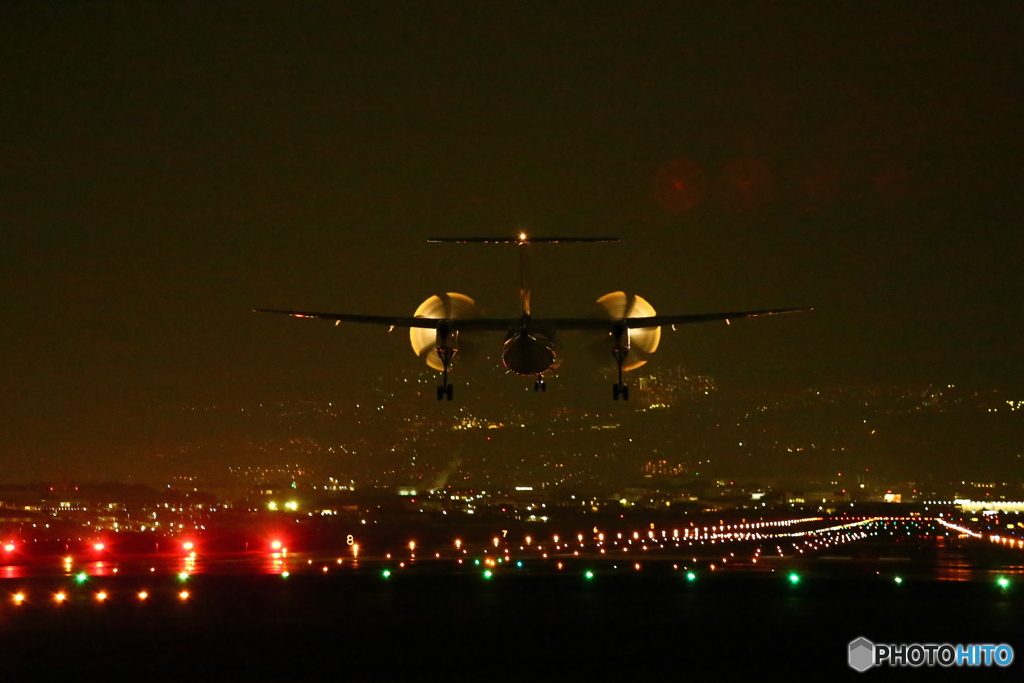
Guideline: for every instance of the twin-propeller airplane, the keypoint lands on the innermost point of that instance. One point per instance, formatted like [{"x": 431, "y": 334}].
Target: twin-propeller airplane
[{"x": 632, "y": 325}]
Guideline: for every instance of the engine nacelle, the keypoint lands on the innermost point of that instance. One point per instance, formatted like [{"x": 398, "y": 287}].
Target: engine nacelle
[
  {"x": 427, "y": 341},
  {"x": 634, "y": 343}
]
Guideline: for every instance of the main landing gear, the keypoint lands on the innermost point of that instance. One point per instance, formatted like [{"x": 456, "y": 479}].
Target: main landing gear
[
  {"x": 619, "y": 352},
  {"x": 445, "y": 390}
]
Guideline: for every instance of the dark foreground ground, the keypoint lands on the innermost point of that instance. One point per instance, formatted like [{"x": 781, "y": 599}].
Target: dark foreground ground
[{"x": 517, "y": 625}]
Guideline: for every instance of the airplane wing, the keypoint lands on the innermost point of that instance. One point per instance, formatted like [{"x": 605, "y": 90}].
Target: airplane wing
[
  {"x": 686, "y": 319},
  {"x": 505, "y": 324},
  {"x": 659, "y": 320},
  {"x": 498, "y": 324},
  {"x": 393, "y": 321}
]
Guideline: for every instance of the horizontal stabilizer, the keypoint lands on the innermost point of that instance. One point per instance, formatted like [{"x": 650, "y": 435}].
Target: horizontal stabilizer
[{"x": 521, "y": 239}]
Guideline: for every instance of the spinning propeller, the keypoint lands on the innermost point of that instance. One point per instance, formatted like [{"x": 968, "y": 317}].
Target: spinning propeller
[{"x": 619, "y": 306}]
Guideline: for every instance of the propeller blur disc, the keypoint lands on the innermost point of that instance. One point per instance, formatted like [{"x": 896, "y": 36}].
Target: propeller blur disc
[
  {"x": 619, "y": 306},
  {"x": 444, "y": 306}
]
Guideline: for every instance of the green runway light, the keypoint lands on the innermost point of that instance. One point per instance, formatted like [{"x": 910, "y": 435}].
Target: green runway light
[
  {"x": 284, "y": 575},
  {"x": 182, "y": 576},
  {"x": 519, "y": 564},
  {"x": 898, "y": 579},
  {"x": 81, "y": 577},
  {"x": 690, "y": 576},
  {"x": 589, "y": 574},
  {"x": 1003, "y": 582},
  {"x": 386, "y": 573},
  {"x": 476, "y": 562},
  {"x": 794, "y": 578},
  {"x": 487, "y": 574}
]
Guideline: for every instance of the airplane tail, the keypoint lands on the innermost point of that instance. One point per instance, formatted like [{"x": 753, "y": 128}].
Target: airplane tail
[
  {"x": 523, "y": 241},
  {"x": 521, "y": 238}
]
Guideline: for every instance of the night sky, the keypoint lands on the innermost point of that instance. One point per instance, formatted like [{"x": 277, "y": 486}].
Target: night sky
[{"x": 167, "y": 167}]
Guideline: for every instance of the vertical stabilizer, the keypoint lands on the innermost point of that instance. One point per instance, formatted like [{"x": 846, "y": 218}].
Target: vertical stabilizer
[
  {"x": 523, "y": 241},
  {"x": 524, "y": 282}
]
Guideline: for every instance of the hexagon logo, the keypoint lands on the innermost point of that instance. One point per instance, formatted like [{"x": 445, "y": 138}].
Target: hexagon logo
[{"x": 862, "y": 654}]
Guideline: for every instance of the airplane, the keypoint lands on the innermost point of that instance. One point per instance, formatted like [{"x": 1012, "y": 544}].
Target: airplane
[{"x": 631, "y": 323}]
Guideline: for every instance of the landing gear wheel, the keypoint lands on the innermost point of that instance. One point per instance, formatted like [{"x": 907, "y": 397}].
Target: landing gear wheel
[
  {"x": 440, "y": 393},
  {"x": 625, "y": 393},
  {"x": 539, "y": 385},
  {"x": 449, "y": 391},
  {"x": 615, "y": 392}
]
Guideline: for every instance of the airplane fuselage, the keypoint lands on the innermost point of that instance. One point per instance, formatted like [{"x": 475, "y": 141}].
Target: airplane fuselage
[{"x": 527, "y": 350}]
